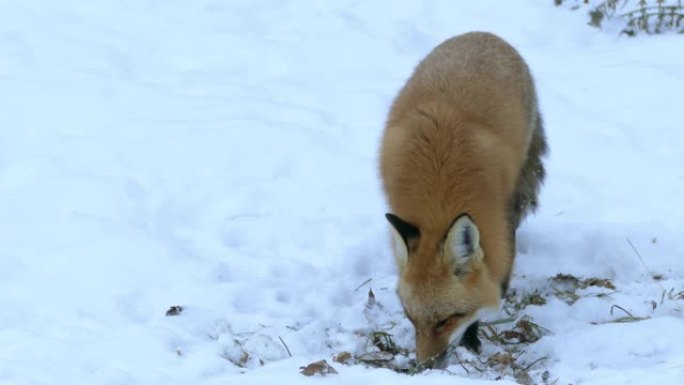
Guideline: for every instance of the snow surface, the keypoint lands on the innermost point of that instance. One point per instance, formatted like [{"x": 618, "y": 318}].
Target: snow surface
[{"x": 221, "y": 155}]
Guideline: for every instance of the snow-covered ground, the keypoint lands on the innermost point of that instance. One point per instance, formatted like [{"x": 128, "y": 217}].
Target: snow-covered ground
[{"x": 221, "y": 156}]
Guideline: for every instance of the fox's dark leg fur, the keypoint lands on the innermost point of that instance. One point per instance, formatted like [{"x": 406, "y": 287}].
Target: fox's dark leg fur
[
  {"x": 525, "y": 200},
  {"x": 526, "y": 197},
  {"x": 470, "y": 339}
]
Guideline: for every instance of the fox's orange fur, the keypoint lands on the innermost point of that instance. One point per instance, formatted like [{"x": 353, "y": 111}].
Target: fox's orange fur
[{"x": 463, "y": 140}]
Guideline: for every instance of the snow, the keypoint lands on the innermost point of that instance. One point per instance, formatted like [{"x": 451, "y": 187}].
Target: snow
[{"x": 222, "y": 156}]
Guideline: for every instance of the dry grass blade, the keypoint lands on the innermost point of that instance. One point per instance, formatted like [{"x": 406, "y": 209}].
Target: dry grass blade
[
  {"x": 627, "y": 319},
  {"x": 535, "y": 362},
  {"x": 524, "y": 332},
  {"x": 567, "y": 296},
  {"x": 648, "y": 270},
  {"x": 491, "y": 334},
  {"x": 461, "y": 363},
  {"x": 600, "y": 295},
  {"x": 285, "y": 345},
  {"x": 375, "y": 357},
  {"x": 621, "y": 308},
  {"x": 383, "y": 341},
  {"x": 364, "y": 284},
  {"x": 638, "y": 254},
  {"x": 497, "y": 322}
]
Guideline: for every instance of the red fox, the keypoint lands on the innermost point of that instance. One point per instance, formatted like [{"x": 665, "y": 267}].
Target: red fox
[{"x": 461, "y": 165}]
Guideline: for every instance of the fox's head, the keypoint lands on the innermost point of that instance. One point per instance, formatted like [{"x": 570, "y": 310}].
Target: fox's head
[{"x": 444, "y": 284}]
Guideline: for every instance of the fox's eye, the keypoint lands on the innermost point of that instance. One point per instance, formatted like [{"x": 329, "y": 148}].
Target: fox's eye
[{"x": 441, "y": 324}]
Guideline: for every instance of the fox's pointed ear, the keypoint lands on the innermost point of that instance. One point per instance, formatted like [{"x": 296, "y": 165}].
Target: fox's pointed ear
[
  {"x": 402, "y": 233},
  {"x": 405, "y": 229},
  {"x": 463, "y": 243}
]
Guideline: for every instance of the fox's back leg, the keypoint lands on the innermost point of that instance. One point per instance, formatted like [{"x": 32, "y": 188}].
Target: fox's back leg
[{"x": 526, "y": 197}]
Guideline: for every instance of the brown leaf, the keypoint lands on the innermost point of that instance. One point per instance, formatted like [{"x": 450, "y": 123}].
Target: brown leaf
[
  {"x": 598, "y": 282},
  {"x": 566, "y": 278},
  {"x": 244, "y": 358},
  {"x": 342, "y": 357},
  {"x": 319, "y": 367},
  {"x": 501, "y": 360},
  {"x": 583, "y": 283},
  {"x": 514, "y": 335}
]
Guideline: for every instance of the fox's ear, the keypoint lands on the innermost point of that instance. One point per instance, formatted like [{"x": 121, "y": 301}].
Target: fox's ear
[
  {"x": 462, "y": 243},
  {"x": 402, "y": 233}
]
